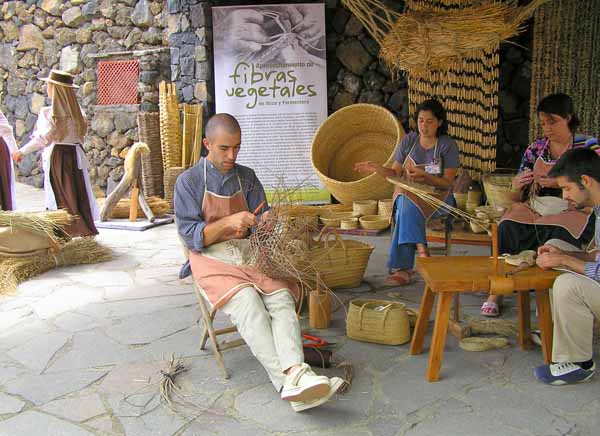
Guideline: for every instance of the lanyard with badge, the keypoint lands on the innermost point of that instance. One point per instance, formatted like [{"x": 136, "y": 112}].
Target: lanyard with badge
[{"x": 435, "y": 166}]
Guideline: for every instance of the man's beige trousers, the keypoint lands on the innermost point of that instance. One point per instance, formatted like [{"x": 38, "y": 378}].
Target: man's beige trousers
[
  {"x": 269, "y": 325},
  {"x": 575, "y": 303}
]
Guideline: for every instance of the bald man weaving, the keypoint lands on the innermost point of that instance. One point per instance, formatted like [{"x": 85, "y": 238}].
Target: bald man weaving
[{"x": 213, "y": 200}]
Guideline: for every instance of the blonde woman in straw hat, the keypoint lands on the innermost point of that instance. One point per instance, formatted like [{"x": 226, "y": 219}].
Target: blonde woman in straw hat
[
  {"x": 7, "y": 173},
  {"x": 59, "y": 131}
]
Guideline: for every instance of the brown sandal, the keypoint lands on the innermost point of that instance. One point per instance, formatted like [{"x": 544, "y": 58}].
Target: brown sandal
[{"x": 399, "y": 278}]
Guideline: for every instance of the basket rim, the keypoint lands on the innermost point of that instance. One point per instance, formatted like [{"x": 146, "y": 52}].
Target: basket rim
[{"x": 341, "y": 113}]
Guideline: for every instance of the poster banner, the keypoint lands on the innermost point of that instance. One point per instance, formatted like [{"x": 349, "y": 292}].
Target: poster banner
[{"x": 270, "y": 73}]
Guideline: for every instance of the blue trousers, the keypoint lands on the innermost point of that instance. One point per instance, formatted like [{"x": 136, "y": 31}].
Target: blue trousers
[{"x": 409, "y": 230}]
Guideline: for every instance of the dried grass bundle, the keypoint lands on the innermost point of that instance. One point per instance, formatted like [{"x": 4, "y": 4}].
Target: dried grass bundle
[
  {"x": 430, "y": 38},
  {"x": 15, "y": 270},
  {"x": 158, "y": 206},
  {"x": 49, "y": 223}
]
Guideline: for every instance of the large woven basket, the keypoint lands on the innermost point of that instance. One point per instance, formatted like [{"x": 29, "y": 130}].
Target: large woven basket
[
  {"x": 359, "y": 132},
  {"x": 497, "y": 189},
  {"x": 152, "y": 163},
  {"x": 378, "y": 321},
  {"x": 341, "y": 263}
]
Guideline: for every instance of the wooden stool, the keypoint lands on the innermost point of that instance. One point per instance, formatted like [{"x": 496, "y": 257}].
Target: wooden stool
[{"x": 446, "y": 275}]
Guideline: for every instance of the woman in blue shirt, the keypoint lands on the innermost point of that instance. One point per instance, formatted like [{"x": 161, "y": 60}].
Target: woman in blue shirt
[{"x": 427, "y": 157}]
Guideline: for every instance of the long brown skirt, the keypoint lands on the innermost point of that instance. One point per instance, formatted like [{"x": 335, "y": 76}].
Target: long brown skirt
[
  {"x": 68, "y": 185},
  {"x": 5, "y": 167}
]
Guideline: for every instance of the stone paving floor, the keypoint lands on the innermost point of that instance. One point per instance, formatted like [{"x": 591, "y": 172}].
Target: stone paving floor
[{"x": 81, "y": 349}]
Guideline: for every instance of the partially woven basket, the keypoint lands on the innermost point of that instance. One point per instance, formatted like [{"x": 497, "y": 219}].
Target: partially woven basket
[
  {"x": 374, "y": 222},
  {"x": 340, "y": 263},
  {"x": 378, "y": 321},
  {"x": 365, "y": 207},
  {"x": 355, "y": 133},
  {"x": 497, "y": 189}
]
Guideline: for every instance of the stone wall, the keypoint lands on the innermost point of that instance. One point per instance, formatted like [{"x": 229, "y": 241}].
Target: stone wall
[
  {"x": 37, "y": 36},
  {"x": 173, "y": 39}
]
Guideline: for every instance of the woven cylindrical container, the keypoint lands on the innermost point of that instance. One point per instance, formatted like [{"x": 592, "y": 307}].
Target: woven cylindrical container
[
  {"x": 170, "y": 179},
  {"x": 355, "y": 133},
  {"x": 152, "y": 163},
  {"x": 378, "y": 321},
  {"x": 319, "y": 310},
  {"x": 365, "y": 207},
  {"x": 349, "y": 223},
  {"x": 497, "y": 189},
  {"x": 385, "y": 207}
]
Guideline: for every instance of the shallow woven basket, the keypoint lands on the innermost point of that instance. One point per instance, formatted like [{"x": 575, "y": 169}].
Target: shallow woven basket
[
  {"x": 152, "y": 163},
  {"x": 355, "y": 133},
  {"x": 378, "y": 321},
  {"x": 497, "y": 189},
  {"x": 328, "y": 208},
  {"x": 341, "y": 263},
  {"x": 365, "y": 207},
  {"x": 385, "y": 207},
  {"x": 374, "y": 222},
  {"x": 300, "y": 213},
  {"x": 170, "y": 179}
]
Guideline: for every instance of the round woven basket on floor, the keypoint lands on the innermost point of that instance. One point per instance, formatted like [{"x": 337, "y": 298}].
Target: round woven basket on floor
[
  {"x": 356, "y": 133},
  {"x": 497, "y": 189},
  {"x": 378, "y": 321}
]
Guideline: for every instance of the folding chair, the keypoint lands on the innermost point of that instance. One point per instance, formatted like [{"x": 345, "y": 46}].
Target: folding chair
[{"x": 209, "y": 331}]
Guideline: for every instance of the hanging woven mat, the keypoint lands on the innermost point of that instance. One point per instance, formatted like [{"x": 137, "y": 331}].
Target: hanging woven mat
[{"x": 152, "y": 163}]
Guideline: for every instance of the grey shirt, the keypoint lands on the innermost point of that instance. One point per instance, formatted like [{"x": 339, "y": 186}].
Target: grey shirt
[
  {"x": 189, "y": 195},
  {"x": 446, "y": 149}
]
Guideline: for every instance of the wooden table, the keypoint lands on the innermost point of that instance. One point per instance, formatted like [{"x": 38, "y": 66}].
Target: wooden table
[{"x": 446, "y": 275}]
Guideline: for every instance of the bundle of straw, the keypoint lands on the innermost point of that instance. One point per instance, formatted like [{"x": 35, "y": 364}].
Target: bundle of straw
[
  {"x": 14, "y": 270},
  {"x": 49, "y": 223},
  {"x": 158, "y": 206}
]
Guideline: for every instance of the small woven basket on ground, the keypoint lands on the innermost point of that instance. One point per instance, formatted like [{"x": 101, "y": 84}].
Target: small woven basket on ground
[
  {"x": 359, "y": 132},
  {"x": 152, "y": 163},
  {"x": 497, "y": 189},
  {"x": 378, "y": 321},
  {"x": 341, "y": 263}
]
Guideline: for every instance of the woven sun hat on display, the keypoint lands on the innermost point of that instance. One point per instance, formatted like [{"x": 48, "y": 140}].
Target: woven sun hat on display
[
  {"x": 61, "y": 78},
  {"x": 355, "y": 133}
]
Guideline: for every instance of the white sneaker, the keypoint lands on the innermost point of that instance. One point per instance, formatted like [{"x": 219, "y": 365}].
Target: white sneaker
[
  {"x": 304, "y": 385},
  {"x": 335, "y": 382}
]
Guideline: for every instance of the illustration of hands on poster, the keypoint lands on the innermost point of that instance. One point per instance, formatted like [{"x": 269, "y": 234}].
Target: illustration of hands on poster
[
  {"x": 267, "y": 34},
  {"x": 270, "y": 73}
]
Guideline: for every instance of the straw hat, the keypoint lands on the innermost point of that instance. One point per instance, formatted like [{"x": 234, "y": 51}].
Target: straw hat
[{"x": 60, "y": 78}]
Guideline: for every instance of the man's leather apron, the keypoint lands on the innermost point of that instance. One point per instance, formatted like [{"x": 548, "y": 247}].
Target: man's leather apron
[{"x": 221, "y": 269}]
